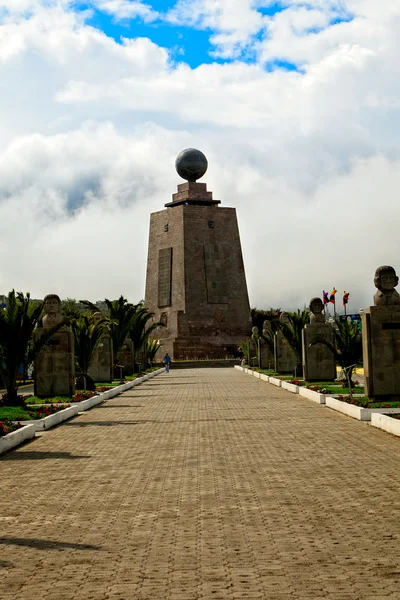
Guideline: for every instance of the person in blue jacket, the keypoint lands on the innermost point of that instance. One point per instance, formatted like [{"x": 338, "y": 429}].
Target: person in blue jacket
[{"x": 167, "y": 362}]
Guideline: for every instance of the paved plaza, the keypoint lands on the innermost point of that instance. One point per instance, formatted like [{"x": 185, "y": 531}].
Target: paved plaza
[{"x": 203, "y": 484}]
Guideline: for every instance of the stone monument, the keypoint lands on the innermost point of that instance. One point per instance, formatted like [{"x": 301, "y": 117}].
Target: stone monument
[
  {"x": 254, "y": 344},
  {"x": 55, "y": 364},
  {"x": 381, "y": 339},
  {"x": 125, "y": 356},
  {"x": 319, "y": 362},
  {"x": 264, "y": 352},
  {"x": 284, "y": 357},
  {"x": 101, "y": 367},
  {"x": 196, "y": 281}
]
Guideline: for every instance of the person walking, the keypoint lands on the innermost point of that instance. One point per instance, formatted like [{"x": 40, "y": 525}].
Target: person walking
[{"x": 167, "y": 362}]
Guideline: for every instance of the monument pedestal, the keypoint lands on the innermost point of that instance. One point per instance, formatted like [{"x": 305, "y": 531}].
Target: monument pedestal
[
  {"x": 101, "y": 368},
  {"x": 381, "y": 352},
  {"x": 284, "y": 357},
  {"x": 265, "y": 355},
  {"x": 253, "y": 358},
  {"x": 319, "y": 362},
  {"x": 126, "y": 356},
  {"x": 55, "y": 365}
]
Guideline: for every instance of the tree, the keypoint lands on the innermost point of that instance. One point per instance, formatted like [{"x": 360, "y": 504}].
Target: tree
[
  {"x": 151, "y": 347},
  {"x": 348, "y": 349},
  {"x": 70, "y": 308},
  {"x": 18, "y": 344},
  {"x": 120, "y": 313},
  {"x": 259, "y": 316},
  {"x": 292, "y": 334},
  {"x": 140, "y": 331},
  {"x": 87, "y": 336}
]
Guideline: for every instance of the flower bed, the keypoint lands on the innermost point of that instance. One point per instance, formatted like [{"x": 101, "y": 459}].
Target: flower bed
[
  {"x": 7, "y": 427},
  {"x": 365, "y": 402}
]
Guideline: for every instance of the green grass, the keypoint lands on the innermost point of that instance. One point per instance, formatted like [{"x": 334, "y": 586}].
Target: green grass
[
  {"x": 55, "y": 400},
  {"x": 14, "y": 413}
]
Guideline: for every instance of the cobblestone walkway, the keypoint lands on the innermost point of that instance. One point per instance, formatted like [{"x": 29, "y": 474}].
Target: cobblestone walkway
[{"x": 203, "y": 484}]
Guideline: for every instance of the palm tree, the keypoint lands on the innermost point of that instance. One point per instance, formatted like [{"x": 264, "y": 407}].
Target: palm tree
[
  {"x": 139, "y": 331},
  {"x": 292, "y": 334},
  {"x": 151, "y": 349},
  {"x": 18, "y": 344},
  {"x": 120, "y": 313},
  {"x": 348, "y": 349},
  {"x": 87, "y": 336}
]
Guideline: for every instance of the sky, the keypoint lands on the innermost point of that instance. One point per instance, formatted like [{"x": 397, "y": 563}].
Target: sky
[{"x": 296, "y": 105}]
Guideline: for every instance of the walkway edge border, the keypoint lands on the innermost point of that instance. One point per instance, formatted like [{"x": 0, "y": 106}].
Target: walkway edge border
[
  {"x": 11, "y": 440},
  {"x": 356, "y": 412},
  {"x": 386, "y": 423}
]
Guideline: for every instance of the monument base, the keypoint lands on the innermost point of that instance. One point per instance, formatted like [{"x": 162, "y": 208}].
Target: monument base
[
  {"x": 381, "y": 352},
  {"x": 284, "y": 358},
  {"x": 101, "y": 368},
  {"x": 55, "y": 365},
  {"x": 319, "y": 362}
]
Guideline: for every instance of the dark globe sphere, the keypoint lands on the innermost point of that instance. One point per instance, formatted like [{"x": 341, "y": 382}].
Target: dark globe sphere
[{"x": 191, "y": 164}]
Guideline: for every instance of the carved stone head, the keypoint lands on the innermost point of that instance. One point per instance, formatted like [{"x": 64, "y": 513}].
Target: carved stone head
[
  {"x": 98, "y": 316},
  {"x": 52, "y": 308},
  {"x": 255, "y": 331},
  {"x": 267, "y": 326},
  {"x": 386, "y": 280},
  {"x": 316, "y": 309},
  {"x": 284, "y": 318}
]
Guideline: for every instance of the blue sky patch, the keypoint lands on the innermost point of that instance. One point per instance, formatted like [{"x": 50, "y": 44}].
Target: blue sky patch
[{"x": 190, "y": 44}]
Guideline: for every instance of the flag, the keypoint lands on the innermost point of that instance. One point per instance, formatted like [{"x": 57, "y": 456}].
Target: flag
[
  {"x": 326, "y": 297},
  {"x": 345, "y": 298},
  {"x": 332, "y": 298}
]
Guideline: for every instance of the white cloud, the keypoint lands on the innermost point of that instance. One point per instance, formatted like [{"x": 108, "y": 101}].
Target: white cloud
[
  {"x": 126, "y": 9},
  {"x": 90, "y": 130}
]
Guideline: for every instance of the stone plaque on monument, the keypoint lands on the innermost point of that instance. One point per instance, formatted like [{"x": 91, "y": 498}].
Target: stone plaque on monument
[
  {"x": 381, "y": 339},
  {"x": 285, "y": 359},
  {"x": 55, "y": 364},
  {"x": 319, "y": 362}
]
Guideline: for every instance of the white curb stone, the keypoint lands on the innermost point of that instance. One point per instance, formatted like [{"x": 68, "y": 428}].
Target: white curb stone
[
  {"x": 290, "y": 387},
  {"x": 357, "y": 412},
  {"x": 311, "y": 395},
  {"x": 11, "y": 440},
  {"x": 386, "y": 423}
]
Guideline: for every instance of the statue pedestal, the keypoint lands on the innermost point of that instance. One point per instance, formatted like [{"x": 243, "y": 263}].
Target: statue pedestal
[
  {"x": 55, "y": 365},
  {"x": 101, "y": 368},
  {"x": 253, "y": 360},
  {"x": 285, "y": 359},
  {"x": 319, "y": 362},
  {"x": 381, "y": 352},
  {"x": 126, "y": 356},
  {"x": 266, "y": 358}
]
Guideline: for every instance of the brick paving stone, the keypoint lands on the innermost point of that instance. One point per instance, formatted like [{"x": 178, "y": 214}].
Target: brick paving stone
[{"x": 203, "y": 484}]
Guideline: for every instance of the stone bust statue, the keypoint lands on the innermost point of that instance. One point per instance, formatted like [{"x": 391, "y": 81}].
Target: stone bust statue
[
  {"x": 255, "y": 333},
  {"x": 316, "y": 310},
  {"x": 98, "y": 316},
  {"x": 386, "y": 280},
  {"x": 52, "y": 308},
  {"x": 284, "y": 318},
  {"x": 266, "y": 327}
]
